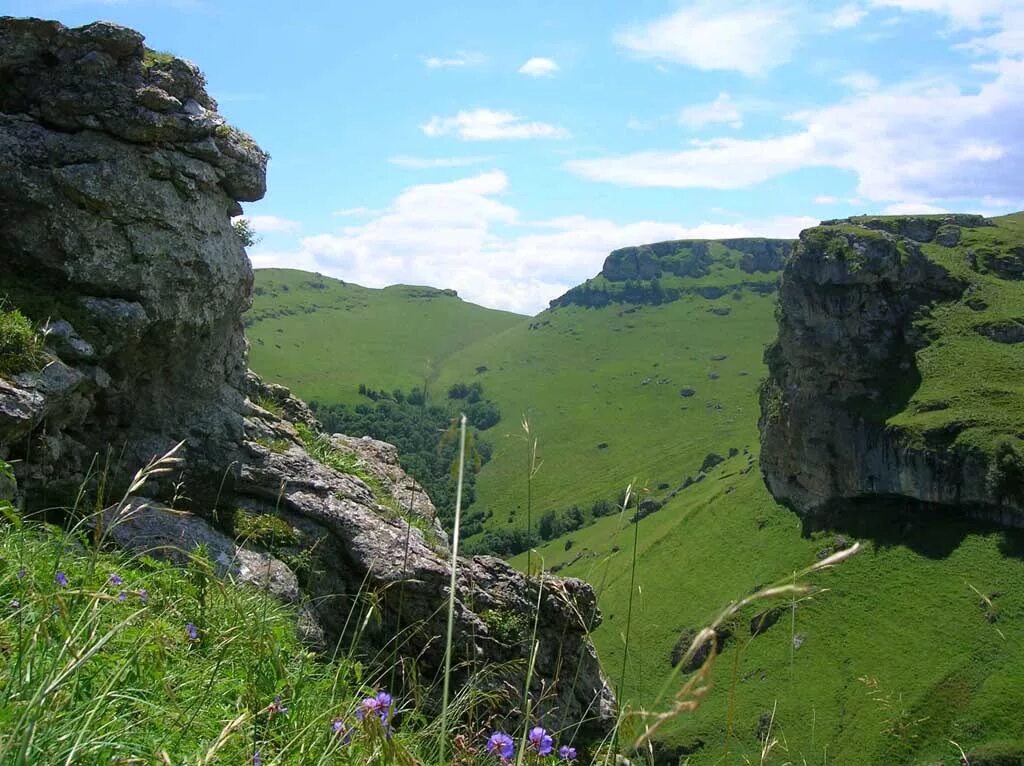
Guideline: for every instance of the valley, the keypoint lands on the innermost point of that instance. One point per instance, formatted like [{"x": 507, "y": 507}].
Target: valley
[{"x": 619, "y": 393}]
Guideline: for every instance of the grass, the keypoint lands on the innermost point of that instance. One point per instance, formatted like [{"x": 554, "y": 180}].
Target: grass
[
  {"x": 90, "y": 676},
  {"x": 904, "y": 615},
  {"x": 978, "y": 410},
  {"x": 108, "y": 658},
  {"x": 20, "y": 345},
  {"x": 325, "y": 337}
]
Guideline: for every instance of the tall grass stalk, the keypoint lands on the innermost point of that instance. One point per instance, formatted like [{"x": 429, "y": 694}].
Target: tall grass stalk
[
  {"x": 534, "y": 648},
  {"x": 629, "y": 607},
  {"x": 531, "y": 470},
  {"x": 689, "y": 696},
  {"x": 451, "y": 592}
]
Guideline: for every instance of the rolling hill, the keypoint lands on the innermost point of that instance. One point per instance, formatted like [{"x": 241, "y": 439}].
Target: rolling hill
[
  {"x": 649, "y": 374},
  {"x": 324, "y": 337}
]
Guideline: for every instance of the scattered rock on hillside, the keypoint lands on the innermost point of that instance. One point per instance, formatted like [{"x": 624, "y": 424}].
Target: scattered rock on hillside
[{"x": 710, "y": 461}]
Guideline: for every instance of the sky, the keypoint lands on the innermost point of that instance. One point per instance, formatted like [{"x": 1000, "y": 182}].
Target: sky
[{"x": 504, "y": 148}]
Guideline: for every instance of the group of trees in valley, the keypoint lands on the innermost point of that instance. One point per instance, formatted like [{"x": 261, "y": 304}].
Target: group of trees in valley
[{"x": 426, "y": 435}]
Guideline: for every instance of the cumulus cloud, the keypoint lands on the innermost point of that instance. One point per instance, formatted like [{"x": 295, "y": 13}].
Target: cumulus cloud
[
  {"x": 462, "y": 235},
  {"x": 923, "y": 140},
  {"x": 825, "y": 199},
  {"x": 490, "y": 125},
  {"x": 722, "y": 110},
  {"x": 539, "y": 67},
  {"x": 431, "y": 163},
  {"x": 717, "y": 35}
]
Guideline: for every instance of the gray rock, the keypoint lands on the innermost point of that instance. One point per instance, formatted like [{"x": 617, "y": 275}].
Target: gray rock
[
  {"x": 145, "y": 526},
  {"x": 66, "y": 343}
]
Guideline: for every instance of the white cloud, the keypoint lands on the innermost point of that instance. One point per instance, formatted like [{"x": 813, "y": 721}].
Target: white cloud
[
  {"x": 461, "y": 235},
  {"x": 722, "y": 110},
  {"x": 712, "y": 34},
  {"x": 859, "y": 81},
  {"x": 847, "y": 16},
  {"x": 913, "y": 208},
  {"x": 825, "y": 199},
  {"x": 539, "y": 67},
  {"x": 266, "y": 224},
  {"x": 490, "y": 125},
  {"x": 923, "y": 140},
  {"x": 430, "y": 163},
  {"x": 461, "y": 59}
]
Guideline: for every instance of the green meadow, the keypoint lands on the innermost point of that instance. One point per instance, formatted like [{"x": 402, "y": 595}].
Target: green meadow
[{"x": 914, "y": 650}]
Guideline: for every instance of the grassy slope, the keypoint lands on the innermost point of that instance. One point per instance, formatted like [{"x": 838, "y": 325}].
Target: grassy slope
[
  {"x": 579, "y": 376},
  {"x": 324, "y": 341},
  {"x": 988, "y": 403},
  {"x": 903, "y": 613}
]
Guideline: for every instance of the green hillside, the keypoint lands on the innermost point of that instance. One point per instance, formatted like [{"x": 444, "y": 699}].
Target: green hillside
[
  {"x": 602, "y": 391},
  {"x": 323, "y": 337},
  {"x": 920, "y": 639}
]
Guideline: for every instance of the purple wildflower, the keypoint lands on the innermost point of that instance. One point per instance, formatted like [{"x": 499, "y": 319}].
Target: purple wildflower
[
  {"x": 541, "y": 741},
  {"x": 341, "y": 730},
  {"x": 379, "y": 705},
  {"x": 257, "y": 759},
  {"x": 275, "y": 707},
  {"x": 115, "y": 579},
  {"x": 61, "y": 579},
  {"x": 22, "y": 573},
  {"x": 567, "y": 753},
  {"x": 501, "y": 745},
  {"x": 143, "y": 596},
  {"x": 192, "y": 631},
  {"x": 15, "y": 604},
  {"x": 122, "y": 596}
]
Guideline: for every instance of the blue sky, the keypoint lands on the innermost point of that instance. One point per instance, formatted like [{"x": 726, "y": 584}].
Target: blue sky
[{"x": 503, "y": 148}]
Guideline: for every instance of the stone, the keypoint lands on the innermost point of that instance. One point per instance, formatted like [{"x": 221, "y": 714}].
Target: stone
[
  {"x": 66, "y": 343},
  {"x": 145, "y": 526}
]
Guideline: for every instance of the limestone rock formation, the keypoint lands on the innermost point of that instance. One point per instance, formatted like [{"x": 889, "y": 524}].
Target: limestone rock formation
[
  {"x": 664, "y": 271},
  {"x": 881, "y": 384},
  {"x": 118, "y": 181}
]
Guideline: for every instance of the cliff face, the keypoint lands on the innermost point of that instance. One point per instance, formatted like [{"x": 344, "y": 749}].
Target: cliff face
[
  {"x": 118, "y": 180},
  {"x": 665, "y": 271},
  {"x": 897, "y": 371}
]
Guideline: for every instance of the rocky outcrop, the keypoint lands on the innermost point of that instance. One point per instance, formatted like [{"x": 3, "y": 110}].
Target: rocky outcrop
[
  {"x": 118, "y": 181},
  {"x": 845, "y": 414},
  {"x": 660, "y": 272}
]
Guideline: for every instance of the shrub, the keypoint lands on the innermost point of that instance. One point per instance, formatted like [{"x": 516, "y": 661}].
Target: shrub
[
  {"x": 245, "y": 233},
  {"x": 20, "y": 346}
]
